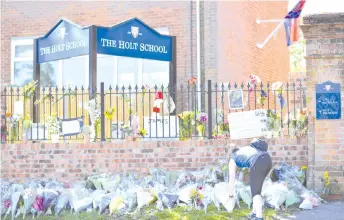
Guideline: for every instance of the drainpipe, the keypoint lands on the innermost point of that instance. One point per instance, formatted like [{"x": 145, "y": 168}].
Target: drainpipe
[
  {"x": 191, "y": 40},
  {"x": 198, "y": 30}
]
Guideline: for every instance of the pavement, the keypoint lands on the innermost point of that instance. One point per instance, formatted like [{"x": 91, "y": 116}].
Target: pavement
[{"x": 326, "y": 211}]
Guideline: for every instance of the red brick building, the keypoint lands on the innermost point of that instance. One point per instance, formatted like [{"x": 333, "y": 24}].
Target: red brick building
[{"x": 229, "y": 34}]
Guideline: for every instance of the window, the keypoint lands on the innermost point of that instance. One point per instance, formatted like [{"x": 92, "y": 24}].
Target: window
[
  {"x": 50, "y": 73},
  {"x": 106, "y": 70},
  {"x": 21, "y": 66},
  {"x": 155, "y": 72},
  {"x": 75, "y": 71},
  {"x": 127, "y": 71}
]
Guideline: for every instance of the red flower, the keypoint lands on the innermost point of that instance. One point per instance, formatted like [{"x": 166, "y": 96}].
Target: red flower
[{"x": 192, "y": 80}]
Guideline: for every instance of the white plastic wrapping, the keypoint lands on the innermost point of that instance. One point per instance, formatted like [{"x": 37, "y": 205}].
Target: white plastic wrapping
[{"x": 221, "y": 191}]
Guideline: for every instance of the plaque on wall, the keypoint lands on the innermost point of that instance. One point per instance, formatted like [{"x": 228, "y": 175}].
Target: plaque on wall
[{"x": 328, "y": 101}]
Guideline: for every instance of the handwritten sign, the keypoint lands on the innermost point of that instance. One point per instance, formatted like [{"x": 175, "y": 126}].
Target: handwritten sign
[
  {"x": 72, "y": 126},
  {"x": 161, "y": 126},
  {"x": 116, "y": 130},
  {"x": 236, "y": 99},
  {"x": 38, "y": 132},
  {"x": 248, "y": 124},
  {"x": 328, "y": 101},
  {"x": 18, "y": 108}
]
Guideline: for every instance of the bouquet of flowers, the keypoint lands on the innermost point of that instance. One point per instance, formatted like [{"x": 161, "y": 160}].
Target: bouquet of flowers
[
  {"x": 221, "y": 130},
  {"x": 29, "y": 89},
  {"x": 253, "y": 80},
  {"x": 127, "y": 130},
  {"x": 53, "y": 124},
  {"x": 185, "y": 127},
  {"x": 14, "y": 125},
  {"x": 273, "y": 123},
  {"x": 197, "y": 197},
  {"x": 277, "y": 87},
  {"x": 29, "y": 196},
  {"x": 94, "y": 111},
  {"x": 201, "y": 119},
  {"x": 4, "y": 134},
  {"x": 298, "y": 122}
]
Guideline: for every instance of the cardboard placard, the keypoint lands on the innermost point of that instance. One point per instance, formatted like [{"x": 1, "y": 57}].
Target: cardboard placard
[
  {"x": 247, "y": 124},
  {"x": 39, "y": 130},
  {"x": 18, "y": 108},
  {"x": 72, "y": 126},
  {"x": 158, "y": 126},
  {"x": 116, "y": 130}
]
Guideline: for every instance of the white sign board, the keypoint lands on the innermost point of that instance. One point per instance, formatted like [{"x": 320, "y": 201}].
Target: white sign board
[
  {"x": 71, "y": 126},
  {"x": 159, "y": 126},
  {"x": 42, "y": 132},
  {"x": 116, "y": 130},
  {"x": 18, "y": 108},
  {"x": 247, "y": 124}
]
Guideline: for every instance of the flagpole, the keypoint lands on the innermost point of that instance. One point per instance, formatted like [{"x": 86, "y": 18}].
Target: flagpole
[
  {"x": 261, "y": 45},
  {"x": 269, "y": 21}
]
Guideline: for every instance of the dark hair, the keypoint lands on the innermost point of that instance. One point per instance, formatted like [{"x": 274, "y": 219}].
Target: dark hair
[{"x": 274, "y": 175}]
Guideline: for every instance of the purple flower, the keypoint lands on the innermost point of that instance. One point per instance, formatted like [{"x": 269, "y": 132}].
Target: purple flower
[
  {"x": 202, "y": 117},
  {"x": 282, "y": 101},
  {"x": 263, "y": 93}
]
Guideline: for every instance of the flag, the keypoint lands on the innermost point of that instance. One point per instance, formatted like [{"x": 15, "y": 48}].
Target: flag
[{"x": 291, "y": 23}]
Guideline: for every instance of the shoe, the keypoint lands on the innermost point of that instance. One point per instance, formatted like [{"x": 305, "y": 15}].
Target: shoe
[
  {"x": 251, "y": 216},
  {"x": 255, "y": 218}
]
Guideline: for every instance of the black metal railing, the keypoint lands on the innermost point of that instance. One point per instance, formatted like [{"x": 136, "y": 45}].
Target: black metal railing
[{"x": 182, "y": 112}]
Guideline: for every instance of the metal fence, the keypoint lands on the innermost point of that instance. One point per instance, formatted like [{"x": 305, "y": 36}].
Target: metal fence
[{"x": 183, "y": 112}]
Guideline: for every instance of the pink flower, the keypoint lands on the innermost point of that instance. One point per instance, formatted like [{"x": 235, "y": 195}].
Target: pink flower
[
  {"x": 7, "y": 203},
  {"x": 38, "y": 204}
]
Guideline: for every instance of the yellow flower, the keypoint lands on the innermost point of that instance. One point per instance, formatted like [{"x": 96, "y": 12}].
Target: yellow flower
[
  {"x": 109, "y": 113},
  {"x": 326, "y": 175},
  {"x": 193, "y": 193},
  {"x": 142, "y": 132}
]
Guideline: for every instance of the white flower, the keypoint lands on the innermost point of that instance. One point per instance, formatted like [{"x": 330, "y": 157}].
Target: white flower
[{"x": 276, "y": 85}]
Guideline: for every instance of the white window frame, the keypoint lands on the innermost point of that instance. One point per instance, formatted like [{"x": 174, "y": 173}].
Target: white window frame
[{"x": 19, "y": 42}]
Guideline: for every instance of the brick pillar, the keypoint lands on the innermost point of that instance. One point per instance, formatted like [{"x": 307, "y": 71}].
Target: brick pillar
[{"x": 324, "y": 36}]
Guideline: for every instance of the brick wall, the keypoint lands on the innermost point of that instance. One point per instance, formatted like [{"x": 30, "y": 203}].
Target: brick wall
[
  {"x": 67, "y": 162},
  {"x": 238, "y": 34},
  {"x": 324, "y": 36}
]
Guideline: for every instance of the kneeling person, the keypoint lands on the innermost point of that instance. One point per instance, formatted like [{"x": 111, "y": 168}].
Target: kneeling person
[{"x": 256, "y": 158}]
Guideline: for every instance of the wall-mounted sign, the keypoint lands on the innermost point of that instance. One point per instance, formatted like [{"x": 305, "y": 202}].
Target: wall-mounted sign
[
  {"x": 236, "y": 99},
  {"x": 161, "y": 126},
  {"x": 247, "y": 124},
  {"x": 328, "y": 101},
  {"x": 63, "y": 41},
  {"x": 133, "y": 38}
]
